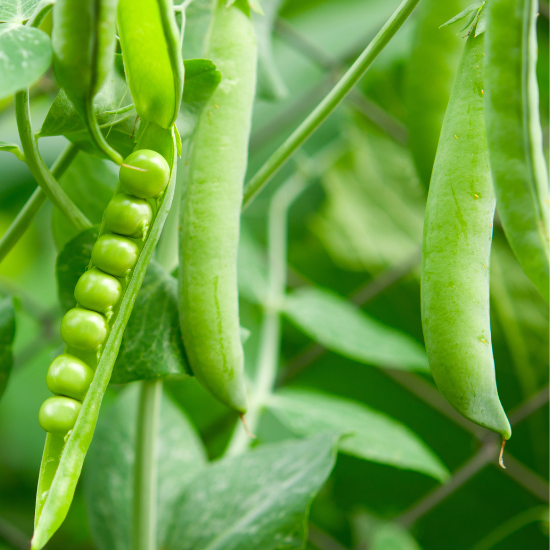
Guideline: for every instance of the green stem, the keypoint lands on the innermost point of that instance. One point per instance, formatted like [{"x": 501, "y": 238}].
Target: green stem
[
  {"x": 331, "y": 101},
  {"x": 23, "y": 220},
  {"x": 97, "y": 137},
  {"x": 145, "y": 473},
  {"x": 38, "y": 168},
  {"x": 268, "y": 356}
]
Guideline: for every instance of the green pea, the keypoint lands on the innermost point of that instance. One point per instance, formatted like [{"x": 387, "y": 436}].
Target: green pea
[
  {"x": 151, "y": 176},
  {"x": 514, "y": 134},
  {"x": 210, "y": 213},
  {"x": 69, "y": 376},
  {"x": 115, "y": 255},
  {"x": 456, "y": 250},
  {"x": 58, "y": 414},
  {"x": 97, "y": 291},
  {"x": 83, "y": 329},
  {"x": 128, "y": 216}
]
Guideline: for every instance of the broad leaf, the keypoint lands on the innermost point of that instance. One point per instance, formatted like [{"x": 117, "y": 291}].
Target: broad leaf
[
  {"x": 259, "y": 500},
  {"x": 7, "y": 334},
  {"x": 370, "y": 532},
  {"x": 17, "y": 11},
  {"x": 251, "y": 267},
  {"x": 370, "y": 435},
  {"x": 12, "y": 148},
  {"x": 25, "y": 55},
  {"x": 108, "y": 472},
  {"x": 270, "y": 85},
  {"x": 343, "y": 328},
  {"x": 152, "y": 344},
  {"x": 90, "y": 182}
]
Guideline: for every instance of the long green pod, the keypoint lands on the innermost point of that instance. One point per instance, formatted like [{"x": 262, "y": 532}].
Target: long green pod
[
  {"x": 64, "y": 456},
  {"x": 430, "y": 76},
  {"x": 211, "y": 209},
  {"x": 456, "y": 250},
  {"x": 514, "y": 134},
  {"x": 83, "y": 43},
  {"x": 151, "y": 48}
]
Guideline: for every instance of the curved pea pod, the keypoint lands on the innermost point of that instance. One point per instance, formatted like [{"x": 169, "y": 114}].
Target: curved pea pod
[
  {"x": 456, "y": 249},
  {"x": 152, "y": 58},
  {"x": 514, "y": 134},
  {"x": 431, "y": 70},
  {"x": 83, "y": 43},
  {"x": 210, "y": 213},
  {"x": 64, "y": 454}
]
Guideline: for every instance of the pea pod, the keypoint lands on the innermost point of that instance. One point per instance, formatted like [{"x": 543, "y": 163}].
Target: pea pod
[
  {"x": 152, "y": 56},
  {"x": 434, "y": 59},
  {"x": 456, "y": 249},
  {"x": 93, "y": 339},
  {"x": 83, "y": 43},
  {"x": 211, "y": 209},
  {"x": 514, "y": 134}
]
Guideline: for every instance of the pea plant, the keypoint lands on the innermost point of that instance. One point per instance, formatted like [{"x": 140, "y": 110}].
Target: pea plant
[{"x": 181, "y": 411}]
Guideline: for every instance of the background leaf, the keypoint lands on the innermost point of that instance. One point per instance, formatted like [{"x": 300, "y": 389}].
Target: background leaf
[
  {"x": 17, "y": 11},
  {"x": 108, "y": 472},
  {"x": 343, "y": 328},
  {"x": 257, "y": 500},
  {"x": 12, "y": 148},
  {"x": 7, "y": 334},
  {"x": 25, "y": 55},
  {"x": 152, "y": 344},
  {"x": 368, "y": 434}
]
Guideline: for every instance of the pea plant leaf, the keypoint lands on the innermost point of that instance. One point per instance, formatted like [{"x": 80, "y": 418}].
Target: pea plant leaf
[
  {"x": 271, "y": 85},
  {"x": 12, "y": 148},
  {"x": 108, "y": 472},
  {"x": 343, "y": 328},
  {"x": 368, "y": 434},
  {"x": 370, "y": 532},
  {"x": 152, "y": 344},
  {"x": 257, "y": 500},
  {"x": 89, "y": 181},
  {"x": 201, "y": 79},
  {"x": 17, "y": 11},
  {"x": 7, "y": 334},
  {"x": 71, "y": 263},
  {"x": 25, "y": 55}
]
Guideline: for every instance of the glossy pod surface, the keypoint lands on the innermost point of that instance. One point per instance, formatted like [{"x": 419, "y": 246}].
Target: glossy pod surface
[
  {"x": 69, "y": 376},
  {"x": 58, "y": 414},
  {"x": 83, "y": 329},
  {"x": 456, "y": 250},
  {"x": 97, "y": 291},
  {"x": 114, "y": 254},
  {"x": 144, "y": 174},
  {"x": 128, "y": 215}
]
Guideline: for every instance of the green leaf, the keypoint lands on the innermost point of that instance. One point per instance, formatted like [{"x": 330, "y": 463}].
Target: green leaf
[
  {"x": 201, "y": 79},
  {"x": 270, "y": 83},
  {"x": 90, "y": 182},
  {"x": 17, "y": 11},
  {"x": 7, "y": 334},
  {"x": 25, "y": 55},
  {"x": 108, "y": 473},
  {"x": 372, "y": 435},
  {"x": 12, "y": 148},
  {"x": 251, "y": 268},
  {"x": 152, "y": 344},
  {"x": 259, "y": 500},
  {"x": 343, "y": 328},
  {"x": 375, "y": 534},
  {"x": 71, "y": 263}
]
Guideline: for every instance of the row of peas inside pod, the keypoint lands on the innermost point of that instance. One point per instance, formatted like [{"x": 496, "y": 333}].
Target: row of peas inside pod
[{"x": 84, "y": 329}]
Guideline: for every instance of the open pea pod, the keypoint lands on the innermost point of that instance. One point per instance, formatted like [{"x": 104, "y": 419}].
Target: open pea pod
[
  {"x": 83, "y": 43},
  {"x": 64, "y": 456},
  {"x": 514, "y": 134},
  {"x": 152, "y": 57}
]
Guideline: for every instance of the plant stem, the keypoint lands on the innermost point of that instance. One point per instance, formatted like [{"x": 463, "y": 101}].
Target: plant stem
[
  {"x": 38, "y": 168},
  {"x": 331, "y": 101},
  {"x": 145, "y": 473},
  {"x": 268, "y": 355},
  {"x": 23, "y": 220}
]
